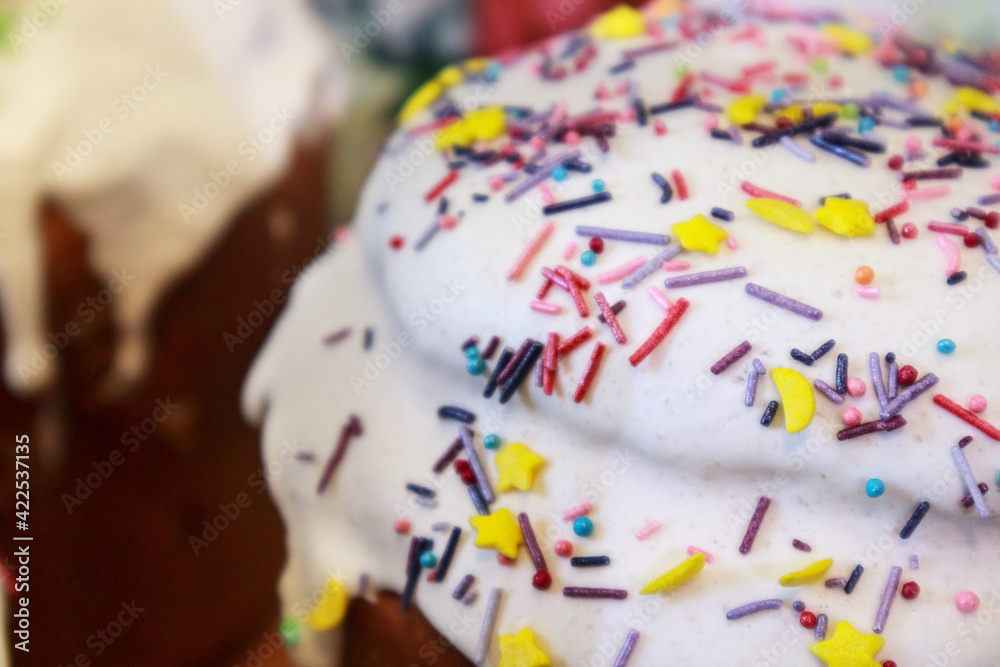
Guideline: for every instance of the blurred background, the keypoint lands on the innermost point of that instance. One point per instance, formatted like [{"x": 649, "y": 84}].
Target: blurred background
[{"x": 155, "y": 542}]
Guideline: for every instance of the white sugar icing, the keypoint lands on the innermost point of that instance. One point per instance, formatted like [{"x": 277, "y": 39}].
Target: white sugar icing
[
  {"x": 129, "y": 116},
  {"x": 665, "y": 441}
]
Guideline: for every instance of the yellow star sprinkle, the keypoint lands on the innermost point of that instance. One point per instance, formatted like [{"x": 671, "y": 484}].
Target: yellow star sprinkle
[
  {"x": 521, "y": 651},
  {"x": 806, "y": 575},
  {"x": 976, "y": 100},
  {"x": 847, "y": 217},
  {"x": 796, "y": 398},
  {"x": 497, "y": 531},
  {"x": 782, "y": 214},
  {"x": 517, "y": 465},
  {"x": 848, "y": 40},
  {"x": 618, "y": 23},
  {"x": 478, "y": 125},
  {"x": 330, "y": 610},
  {"x": 699, "y": 234},
  {"x": 848, "y": 648},
  {"x": 744, "y": 109},
  {"x": 681, "y": 574}
]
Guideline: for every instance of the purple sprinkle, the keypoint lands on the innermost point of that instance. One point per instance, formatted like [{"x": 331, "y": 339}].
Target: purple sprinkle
[
  {"x": 782, "y": 301},
  {"x": 801, "y": 546},
  {"x": 871, "y": 427},
  {"x": 469, "y": 342},
  {"x": 752, "y": 378},
  {"x": 632, "y": 54},
  {"x": 801, "y": 357},
  {"x": 616, "y": 307},
  {"x": 595, "y": 593},
  {"x": 977, "y": 213},
  {"x": 515, "y": 361},
  {"x": 307, "y": 457},
  {"x": 893, "y": 388},
  {"x": 463, "y": 587},
  {"x": 836, "y": 582},
  {"x": 931, "y": 174},
  {"x": 544, "y": 169},
  {"x": 759, "y": 367},
  {"x": 503, "y": 363},
  {"x": 965, "y": 442},
  {"x": 650, "y": 266},
  {"x": 965, "y": 470},
  {"x": 828, "y": 391},
  {"x": 915, "y": 519},
  {"x": 875, "y": 366},
  {"x": 920, "y": 386},
  {"x": 890, "y": 226},
  {"x": 821, "y": 621},
  {"x": 489, "y": 622},
  {"x": 731, "y": 357},
  {"x": 622, "y": 235},
  {"x": 853, "y": 580},
  {"x": 490, "y": 349},
  {"x": 752, "y": 608},
  {"x": 914, "y": 562},
  {"x": 820, "y": 351},
  {"x": 427, "y": 236},
  {"x": 888, "y": 595},
  {"x": 986, "y": 241},
  {"x": 573, "y": 204},
  {"x": 626, "y": 653},
  {"x": 989, "y": 200},
  {"x": 482, "y": 481},
  {"x": 446, "y": 556},
  {"x": 449, "y": 455},
  {"x": 351, "y": 428},
  {"x": 722, "y": 214},
  {"x": 799, "y": 606},
  {"x": 530, "y": 541},
  {"x": 692, "y": 279},
  {"x": 477, "y": 500},
  {"x": 338, "y": 336},
  {"x": 755, "y": 521},
  {"x": 470, "y": 598},
  {"x": 994, "y": 261}
]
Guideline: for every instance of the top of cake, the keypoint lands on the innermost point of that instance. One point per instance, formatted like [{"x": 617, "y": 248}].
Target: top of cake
[{"x": 773, "y": 195}]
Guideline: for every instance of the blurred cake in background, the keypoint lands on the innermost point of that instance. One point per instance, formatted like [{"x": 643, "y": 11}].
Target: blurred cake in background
[{"x": 164, "y": 181}]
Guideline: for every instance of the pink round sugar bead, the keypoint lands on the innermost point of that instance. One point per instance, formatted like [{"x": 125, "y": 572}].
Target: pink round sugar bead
[
  {"x": 856, "y": 387},
  {"x": 967, "y": 602},
  {"x": 711, "y": 122},
  {"x": 977, "y": 403},
  {"x": 571, "y": 138},
  {"x": 852, "y": 416},
  {"x": 995, "y": 182},
  {"x": 563, "y": 548},
  {"x": 912, "y": 144},
  {"x": 495, "y": 182}
]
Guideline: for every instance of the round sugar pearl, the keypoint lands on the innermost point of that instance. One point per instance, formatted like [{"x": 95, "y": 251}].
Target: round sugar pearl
[
  {"x": 289, "y": 630},
  {"x": 495, "y": 182},
  {"x": 428, "y": 560},
  {"x": 851, "y": 416},
  {"x": 967, "y": 602},
  {"x": 402, "y": 527},
  {"x": 660, "y": 128},
  {"x": 475, "y": 366},
  {"x": 874, "y": 487},
  {"x": 865, "y": 124},
  {"x": 901, "y": 73},
  {"x": 992, "y": 220},
  {"x": 583, "y": 526},
  {"x": 559, "y": 173},
  {"x": 491, "y": 441},
  {"x": 597, "y": 185},
  {"x": 596, "y": 244},
  {"x": 807, "y": 620},
  {"x": 588, "y": 257},
  {"x": 471, "y": 352},
  {"x": 910, "y": 590},
  {"x": 864, "y": 275},
  {"x": 856, "y": 387},
  {"x": 909, "y": 231},
  {"x": 541, "y": 580},
  {"x": 571, "y": 138},
  {"x": 396, "y": 242},
  {"x": 564, "y": 548},
  {"x": 946, "y": 346},
  {"x": 977, "y": 403},
  {"x": 907, "y": 375}
]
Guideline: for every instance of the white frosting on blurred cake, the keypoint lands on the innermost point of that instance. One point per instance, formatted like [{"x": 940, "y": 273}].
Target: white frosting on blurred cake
[
  {"x": 151, "y": 123},
  {"x": 667, "y": 440}
]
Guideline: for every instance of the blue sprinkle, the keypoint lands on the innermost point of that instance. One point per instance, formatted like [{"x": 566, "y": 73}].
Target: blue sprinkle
[
  {"x": 597, "y": 185},
  {"x": 865, "y": 124},
  {"x": 778, "y": 94},
  {"x": 588, "y": 257},
  {"x": 428, "y": 560},
  {"x": 946, "y": 346},
  {"x": 559, "y": 173},
  {"x": 901, "y": 73},
  {"x": 471, "y": 352},
  {"x": 491, "y": 441},
  {"x": 475, "y": 366},
  {"x": 875, "y": 487},
  {"x": 994, "y": 126},
  {"x": 583, "y": 527}
]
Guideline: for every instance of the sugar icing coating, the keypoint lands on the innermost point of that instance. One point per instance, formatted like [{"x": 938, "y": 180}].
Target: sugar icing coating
[
  {"x": 151, "y": 125},
  {"x": 666, "y": 440}
]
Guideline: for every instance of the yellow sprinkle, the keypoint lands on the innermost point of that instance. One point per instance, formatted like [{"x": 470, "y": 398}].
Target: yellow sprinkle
[
  {"x": 420, "y": 100},
  {"x": 823, "y": 108},
  {"x": 782, "y": 214},
  {"x": 479, "y": 125},
  {"x": 449, "y": 76},
  {"x": 699, "y": 234},
  {"x": 678, "y": 576},
  {"x": 977, "y": 100},
  {"x": 792, "y": 112},
  {"x": 797, "y": 398},
  {"x": 329, "y": 613},
  {"x": 618, "y": 23},
  {"x": 475, "y": 65},
  {"x": 847, "y": 217},
  {"x": 848, "y": 40},
  {"x": 744, "y": 109},
  {"x": 806, "y": 575}
]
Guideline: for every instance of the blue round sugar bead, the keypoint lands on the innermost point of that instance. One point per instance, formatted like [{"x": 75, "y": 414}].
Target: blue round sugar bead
[
  {"x": 559, "y": 173},
  {"x": 946, "y": 346},
  {"x": 475, "y": 366},
  {"x": 875, "y": 487},
  {"x": 901, "y": 73},
  {"x": 597, "y": 185},
  {"x": 583, "y": 527},
  {"x": 491, "y": 441},
  {"x": 865, "y": 124},
  {"x": 428, "y": 559},
  {"x": 588, "y": 257},
  {"x": 471, "y": 352}
]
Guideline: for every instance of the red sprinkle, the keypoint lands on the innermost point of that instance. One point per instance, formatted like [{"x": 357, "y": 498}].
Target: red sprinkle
[
  {"x": 892, "y": 211},
  {"x": 807, "y": 620},
  {"x": 543, "y": 291},
  {"x": 442, "y": 185},
  {"x": 589, "y": 372},
  {"x": 396, "y": 242},
  {"x": 909, "y": 231},
  {"x": 575, "y": 341},
  {"x": 674, "y": 314},
  {"x": 610, "y": 318},
  {"x": 755, "y": 191},
  {"x": 682, "y": 188},
  {"x": 967, "y": 416},
  {"x": 549, "y": 364},
  {"x": 992, "y": 220}
]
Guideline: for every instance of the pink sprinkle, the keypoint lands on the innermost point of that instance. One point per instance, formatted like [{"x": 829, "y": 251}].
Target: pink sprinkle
[
  {"x": 547, "y": 308},
  {"x": 977, "y": 403},
  {"x": 626, "y": 115},
  {"x": 731, "y": 243},
  {"x": 758, "y": 68},
  {"x": 621, "y": 87},
  {"x": 680, "y": 184},
  {"x": 659, "y": 297},
  {"x": 660, "y": 128},
  {"x": 995, "y": 182},
  {"x": 495, "y": 182},
  {"x": 912, "y": 144},
  {"x": 547, "y": 197},
  {"x": 558, "y": 114},
  {"x": 647, "y": 530},
  {"x": 869, "y": 291},
  {"x": 614, "y": 275},
  {"x": 447, "y": 221},
  {"x": 576, "y": 511},
  {"x": 948, "y": 228},
  {"x": 695, "y": 550},
  {"x": 710, "y": 123},
  {"x": 676, "y": 265},
  {"x": 433, "y": 125},
  {"x": 571, "y": 138},
  {"x": 951, "y": 253},
  {"x": 932, "y": 192},
  {"x": 601, "y": 92},
  {"x": 955, "y": 145},
  {"x": 569, "y": 251},
  {"x": 967, "y": 602},
  {"x": 530, "y": 250},
  {"x": 755, "y": 191},
  {"x": 852, "y": 416},
  {"x": 537, "y": 142},
  {"x": 856, "y": 387}
]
